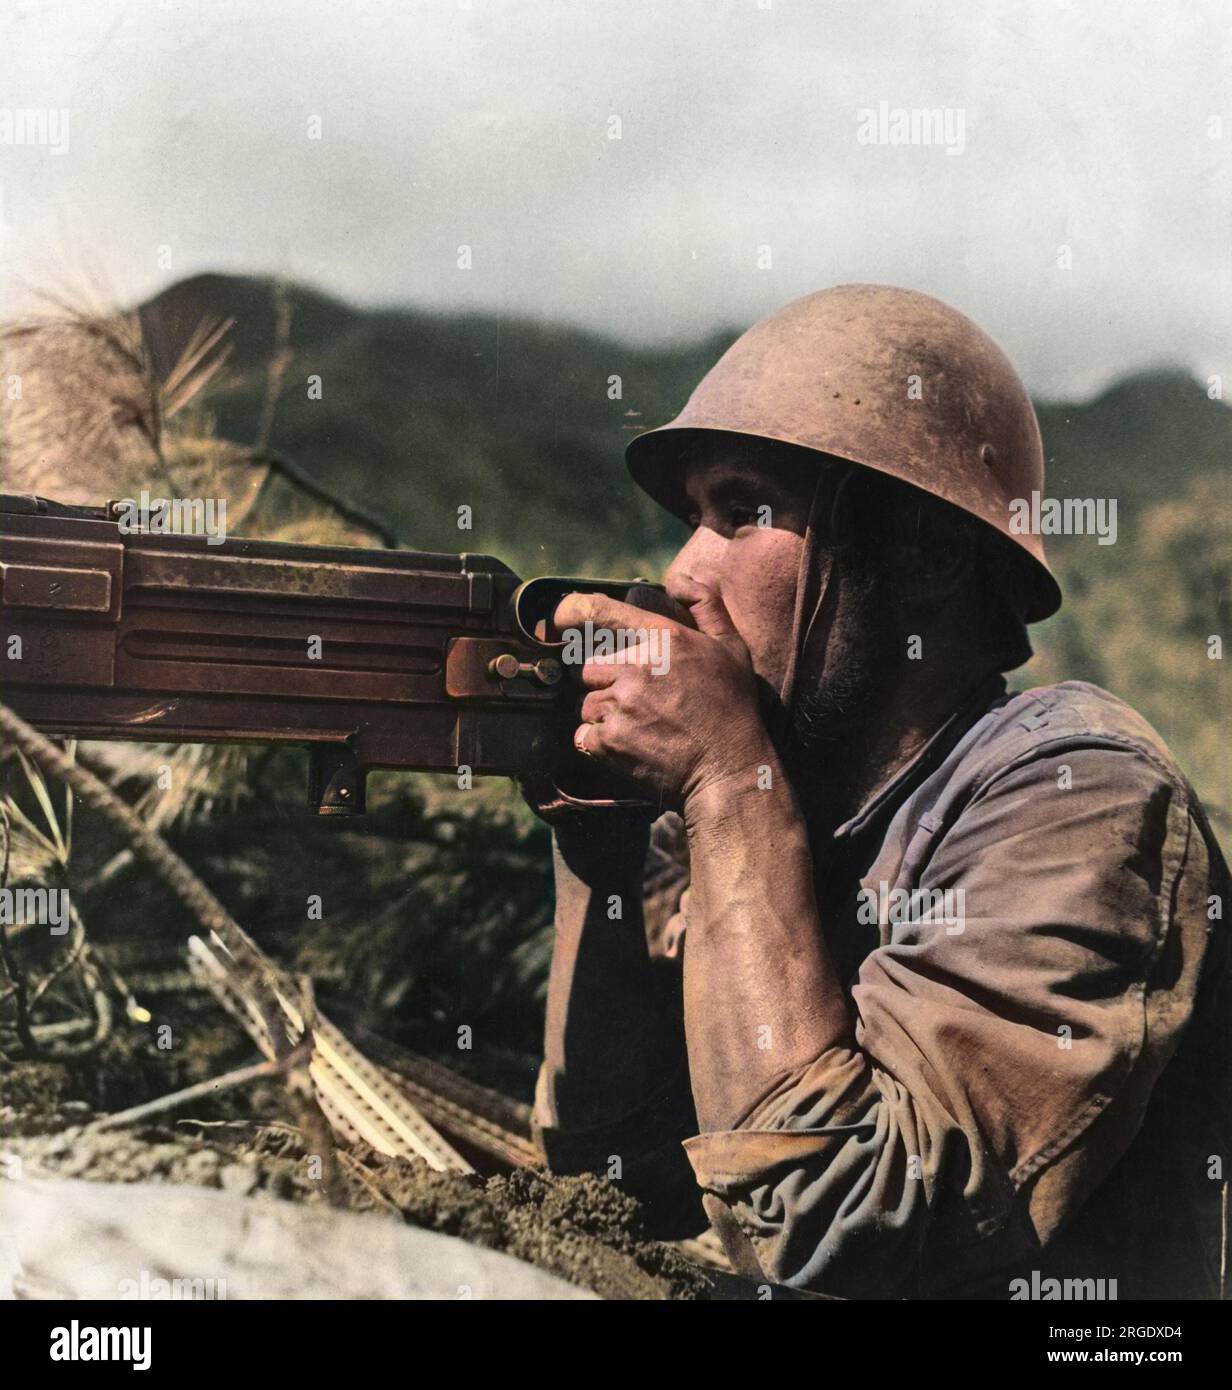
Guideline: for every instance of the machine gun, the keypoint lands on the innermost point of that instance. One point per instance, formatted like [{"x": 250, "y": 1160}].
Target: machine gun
[{"x": 368, "y": 658}]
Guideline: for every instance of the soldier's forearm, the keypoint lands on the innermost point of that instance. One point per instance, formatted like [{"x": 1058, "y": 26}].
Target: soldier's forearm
[{"x": 761, "y": 993}]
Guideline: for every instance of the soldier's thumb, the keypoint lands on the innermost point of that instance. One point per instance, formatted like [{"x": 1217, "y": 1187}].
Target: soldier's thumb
[{"x": 709, "y": 612}]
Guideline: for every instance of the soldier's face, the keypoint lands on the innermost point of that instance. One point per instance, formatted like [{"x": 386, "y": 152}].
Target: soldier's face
[
  {"x": 749, "y": 517},
  {"x": 748, "y": 520}
]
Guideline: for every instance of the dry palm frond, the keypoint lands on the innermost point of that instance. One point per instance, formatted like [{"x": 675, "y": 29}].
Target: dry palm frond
[
  {"x": 84, "y": 424},
  {"x": 181, "y": 784},
  {"x": 119, "y": 334},
  {"x": 203, "y": 357},
  {"x": 37, "y": 852},
  {"x": 190, "y": 781}
]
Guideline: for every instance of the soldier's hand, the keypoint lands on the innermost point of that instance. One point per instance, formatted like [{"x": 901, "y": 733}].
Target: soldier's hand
[{"x": 672, "y": 707}]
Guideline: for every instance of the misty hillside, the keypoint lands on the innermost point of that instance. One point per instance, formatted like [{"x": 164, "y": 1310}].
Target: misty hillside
[
  {"x": 421, "y": 413},
  {"x": 1141, "y": 441}
]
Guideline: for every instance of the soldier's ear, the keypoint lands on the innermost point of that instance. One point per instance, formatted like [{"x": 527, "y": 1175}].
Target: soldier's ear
[
  {"x": 924, "y": 548},
  {"x": 928, "y": 575}
]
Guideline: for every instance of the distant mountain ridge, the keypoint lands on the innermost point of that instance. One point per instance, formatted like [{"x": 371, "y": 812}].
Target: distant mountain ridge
[{"x": 422, "y": 413}]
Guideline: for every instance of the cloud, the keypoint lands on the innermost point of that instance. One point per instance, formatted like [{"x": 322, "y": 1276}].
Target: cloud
[{"x": 1085, "y": 127}]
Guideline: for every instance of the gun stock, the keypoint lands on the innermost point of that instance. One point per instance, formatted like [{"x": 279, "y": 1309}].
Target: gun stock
[{"x": 368, "y": 658}]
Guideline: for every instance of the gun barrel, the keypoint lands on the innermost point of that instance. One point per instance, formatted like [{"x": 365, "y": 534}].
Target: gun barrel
[{"x": 371, "y": 658}]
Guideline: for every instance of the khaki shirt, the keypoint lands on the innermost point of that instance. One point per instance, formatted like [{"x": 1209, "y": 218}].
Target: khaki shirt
[{"x": 1030, "y": 916}]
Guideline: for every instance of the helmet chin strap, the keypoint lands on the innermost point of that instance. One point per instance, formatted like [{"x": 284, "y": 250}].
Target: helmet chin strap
[{"x": 813, "y": 579}]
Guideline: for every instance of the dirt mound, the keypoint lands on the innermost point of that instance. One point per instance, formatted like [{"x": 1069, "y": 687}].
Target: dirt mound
[{"x": 583, "y": 1229}]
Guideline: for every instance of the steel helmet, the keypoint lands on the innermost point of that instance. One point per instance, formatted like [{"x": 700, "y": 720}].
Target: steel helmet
[{"x": 886, "y": 378}]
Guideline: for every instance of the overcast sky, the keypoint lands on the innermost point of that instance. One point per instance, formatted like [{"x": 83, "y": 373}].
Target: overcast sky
[{"x": 487, "y": 123}]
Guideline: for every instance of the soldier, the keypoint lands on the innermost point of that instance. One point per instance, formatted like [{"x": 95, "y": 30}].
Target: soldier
[{"x": 946, "y": 1004}]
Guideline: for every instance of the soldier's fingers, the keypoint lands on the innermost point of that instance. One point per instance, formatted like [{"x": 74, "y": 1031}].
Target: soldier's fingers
[
  {"x": 595, "y": 705},
  {"x": 587, "y": 739},
  {"x": 598, "y": 675},
  {"x": 708, "y": 610},
  {"x": 600, "y": 610}
]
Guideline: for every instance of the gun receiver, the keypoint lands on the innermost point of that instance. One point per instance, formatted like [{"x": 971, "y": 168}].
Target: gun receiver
[{"x": 369, "y": 658}]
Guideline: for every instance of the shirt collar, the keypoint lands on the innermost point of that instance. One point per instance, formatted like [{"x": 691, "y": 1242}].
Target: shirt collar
[{"x": 895, "y": 787}]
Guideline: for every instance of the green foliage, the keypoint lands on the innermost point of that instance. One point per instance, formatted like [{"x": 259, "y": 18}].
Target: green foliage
[
  {"x": 1139, "y": 620},
  {"x": 434, "y": 910}
]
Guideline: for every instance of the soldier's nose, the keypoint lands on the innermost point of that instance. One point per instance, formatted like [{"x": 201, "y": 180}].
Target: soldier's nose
[{"x": 696, "y": 563}]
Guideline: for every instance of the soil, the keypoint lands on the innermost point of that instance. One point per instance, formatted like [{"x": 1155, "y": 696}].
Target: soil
[{"x": 583, "y": 1229}]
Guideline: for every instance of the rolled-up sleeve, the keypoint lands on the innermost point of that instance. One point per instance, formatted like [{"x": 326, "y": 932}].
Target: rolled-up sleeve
[{"x": 998, "y": 1069}]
